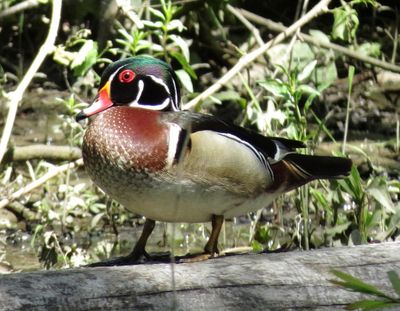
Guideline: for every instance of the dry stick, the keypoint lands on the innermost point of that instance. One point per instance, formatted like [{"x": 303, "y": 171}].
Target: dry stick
[
  {"x": 41, "y": 151},
  {"x": 33, "y": 185},
  {"x": 395, "y": 38},
  {"x": 312, "y": 40},
  {"x": 246, "y": 23},
  {"x": 19, "y": 7},
  {"x": 130, "y": 13},
  {"x": 16, "y": 96},
  {"x": 245, "y": 60}
]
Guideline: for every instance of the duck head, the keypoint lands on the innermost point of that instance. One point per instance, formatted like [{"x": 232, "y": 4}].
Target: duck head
[{"x": 141, "y": 81}]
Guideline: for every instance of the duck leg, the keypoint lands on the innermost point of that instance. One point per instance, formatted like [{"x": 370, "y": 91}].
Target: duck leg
[
  {"x": 138, "y": 254},
  {"x": 211, "y": 248},
  {"x": 139, "y": 250}
]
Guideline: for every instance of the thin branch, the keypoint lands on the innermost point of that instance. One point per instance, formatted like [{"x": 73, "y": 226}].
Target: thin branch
[
  {"x": 245, "y": 60},
  {"x": 36, "y": 183},
  {"x": 23, "y": 211},
  {"x": 246, "y": 23},
  {"x": 41, "y": 151},
  {"x": 19, "y": 7},
  {"x": 130, "y": 13},
  {"x": 15, "y": 97},
  {"x": 328, "y": 45},
  {"x": 396, "y": 37}
]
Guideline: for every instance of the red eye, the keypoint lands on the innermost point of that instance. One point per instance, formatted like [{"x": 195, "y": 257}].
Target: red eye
[{"x": 126, "y": 76}]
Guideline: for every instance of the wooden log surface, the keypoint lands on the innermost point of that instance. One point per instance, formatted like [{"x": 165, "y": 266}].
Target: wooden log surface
[{"x": 297, "y": 280}]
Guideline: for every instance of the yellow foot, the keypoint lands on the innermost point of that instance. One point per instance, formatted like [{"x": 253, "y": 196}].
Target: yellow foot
[{"x": 197, "y": 258}]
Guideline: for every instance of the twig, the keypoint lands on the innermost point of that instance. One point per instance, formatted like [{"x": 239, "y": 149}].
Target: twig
[
  {"x": 348, "y": 108},
  {"x": 396, "y": 37},
  {"x": 40, "y": 181},
  {"x": 128, "y": 11},
  {"x": 246, "y": 23},
  {"x": 41, "y": 151},
  {"x": 23, "y": 211},
  {"x": 245, "y": 60},
  {"x": 19, "y": 7},
  {"x": 15, "y": 97},
  {"x": 328, "y": 45}
]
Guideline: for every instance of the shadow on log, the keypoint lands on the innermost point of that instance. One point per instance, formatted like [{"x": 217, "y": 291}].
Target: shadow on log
[{"x": 296, "y": 280}]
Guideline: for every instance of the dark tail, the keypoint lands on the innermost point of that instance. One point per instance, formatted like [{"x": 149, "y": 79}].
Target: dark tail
[
  {"x": 295, "y": 170},
  {"x": 321, "y": 167}
]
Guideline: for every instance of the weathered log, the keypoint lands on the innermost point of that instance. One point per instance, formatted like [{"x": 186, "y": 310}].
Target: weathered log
[
  {"x": 41, "y": 151},
  {"x": 297, "y": 280}
]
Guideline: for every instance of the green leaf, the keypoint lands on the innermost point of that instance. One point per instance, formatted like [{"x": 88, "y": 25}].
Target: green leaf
[
  {"x": 96, "y": 219},
  {"x": 85, "y": 58},
  {"x": 182, "y": 45},
  {"x": 306, "y": 89},
  {"x": 321, "y": 199},
  {"x": 176, "y": 24},
  {"x": 229, "y": 95},
  {"x": 395, "y": 280},
  {"x": 307, "y": 70},
  {"x": 378, "y": 190},
  {"x": 357, "y": 285},
  {"x": 338, "y": 229},
  {"x": 369, "y": 49},
  {"x": 185, "y": 79},
  {"x": 345, "y": 23},
  {"x": 276, "y": 87},
  {"x": 352, "y": 184},
  {"x": 182, "y": 60},
  {"x": 257, "y": 246},
  {"x": 318, "y": 34},
  {"x": 157, "y": 13},
  {"x": 157, "y": 24}
]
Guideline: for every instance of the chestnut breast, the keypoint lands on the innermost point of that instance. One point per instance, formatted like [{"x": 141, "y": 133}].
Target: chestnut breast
[{"x": 123, "y": 146}]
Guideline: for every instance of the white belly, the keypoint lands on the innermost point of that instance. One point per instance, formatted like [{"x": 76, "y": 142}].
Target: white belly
[{"x": 192, "y": 205}]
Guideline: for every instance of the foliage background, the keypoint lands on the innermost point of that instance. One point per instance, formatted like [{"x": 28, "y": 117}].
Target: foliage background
[{"x": 335, "y": 103}]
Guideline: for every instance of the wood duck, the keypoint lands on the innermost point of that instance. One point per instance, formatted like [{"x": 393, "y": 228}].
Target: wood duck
[{"x": 180, "y": 166}]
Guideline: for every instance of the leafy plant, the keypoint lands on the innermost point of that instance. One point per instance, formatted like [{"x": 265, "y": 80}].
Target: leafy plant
[
  {"x": 79, "y": 53},
  {"x": 160, "y": 38},
  {"x": 346, "y": 21},
  {"x": 381, "y": 301}
]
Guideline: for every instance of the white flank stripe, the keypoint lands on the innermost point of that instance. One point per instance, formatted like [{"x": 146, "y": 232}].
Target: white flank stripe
[{"x": 173, "y": 141}]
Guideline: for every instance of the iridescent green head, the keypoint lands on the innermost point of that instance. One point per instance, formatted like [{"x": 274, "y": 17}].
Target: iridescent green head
[{"x": 140, "y": 81}]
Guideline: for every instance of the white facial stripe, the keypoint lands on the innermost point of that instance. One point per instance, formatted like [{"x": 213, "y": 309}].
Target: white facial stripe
[
  {"x": 113, "y": 74},
  {"x": 141, "y": 88},
  {"x": 160, "y": 82},
  {"x": 175, "y": 103},
  {"x": 257, "y": 153},
  {"x": 136, "y": 101},
  {"x": 161, "y": 106}
]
